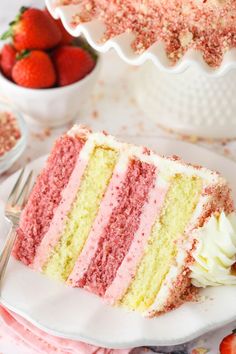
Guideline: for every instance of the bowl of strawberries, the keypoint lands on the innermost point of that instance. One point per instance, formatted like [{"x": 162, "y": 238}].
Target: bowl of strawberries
[{"x": 45, "y": 72}]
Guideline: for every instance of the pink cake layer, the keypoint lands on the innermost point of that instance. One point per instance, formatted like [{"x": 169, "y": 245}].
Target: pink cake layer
[
  {"x": 128, "y": 267},
  {"x": 45, "y": 197},
  {"x": 55, "y": 230},
  {"x": 119, "y": 232}
]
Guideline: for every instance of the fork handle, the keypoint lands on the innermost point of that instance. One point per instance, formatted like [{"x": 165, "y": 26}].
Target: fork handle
[{"x": 6, "y": 252}]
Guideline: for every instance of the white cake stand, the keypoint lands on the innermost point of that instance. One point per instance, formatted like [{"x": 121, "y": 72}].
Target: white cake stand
[
  {"x": 190, "y": 97},
  {"x": 191, "y": 103}
]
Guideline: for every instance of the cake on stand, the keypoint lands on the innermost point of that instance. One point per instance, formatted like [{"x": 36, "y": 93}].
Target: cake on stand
[{"x": 189, "y": 97}]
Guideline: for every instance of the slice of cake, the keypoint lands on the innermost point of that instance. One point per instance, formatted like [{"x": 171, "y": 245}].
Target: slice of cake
[
  {"x": 208, "y": 26},
  {"x": 125, "y": 223}
]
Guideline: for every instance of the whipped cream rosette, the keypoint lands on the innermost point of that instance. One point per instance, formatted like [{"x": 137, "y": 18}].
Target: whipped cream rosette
[{"x": 215, "y": 253}]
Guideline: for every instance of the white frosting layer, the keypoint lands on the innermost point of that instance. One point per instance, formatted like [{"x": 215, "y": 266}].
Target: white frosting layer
[
  {"x": 167, "y": 167},
  {"x": 216, "y": 252}
]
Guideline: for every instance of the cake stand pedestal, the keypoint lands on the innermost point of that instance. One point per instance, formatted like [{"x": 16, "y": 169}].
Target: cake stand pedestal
[{"x": 191, "y": 103}]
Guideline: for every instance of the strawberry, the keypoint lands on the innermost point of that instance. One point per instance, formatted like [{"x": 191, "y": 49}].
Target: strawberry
[
  {"x": 66, "y": 38},
  {"x": 34, "y": 70},
  {"x": 72, "y": 64},
  {"x": 33, "y": 29},
  {"x": 8, "y": 60},
  {"x": 228, "y": 344}
]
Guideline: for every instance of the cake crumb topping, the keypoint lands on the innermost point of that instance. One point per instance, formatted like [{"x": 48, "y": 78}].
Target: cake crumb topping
[{"x": 208, "y": 26}]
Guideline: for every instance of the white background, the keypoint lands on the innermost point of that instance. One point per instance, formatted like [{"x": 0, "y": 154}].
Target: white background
[{"x": 111, "y": 107}]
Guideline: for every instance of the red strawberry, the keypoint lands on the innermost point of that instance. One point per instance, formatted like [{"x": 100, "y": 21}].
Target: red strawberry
[
  {"x": 33, "y": 29},
  {"x": 8, "y": 60},
  {"x": 72, "y": 64},
  {"x": 34, "y": 70},
  {"x": 228, "y": 344},
  {"x": 66, "y": 38}
]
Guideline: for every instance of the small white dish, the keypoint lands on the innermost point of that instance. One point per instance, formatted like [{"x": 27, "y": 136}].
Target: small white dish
[
  {"x": 54, "y": 106},
  {"x": 94, "y": 30},
  {"x": 8, "y": 159},
  {"x": 77, "y": 314}
]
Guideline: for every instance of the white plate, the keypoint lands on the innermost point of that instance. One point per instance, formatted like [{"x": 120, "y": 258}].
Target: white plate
[
  {"x": 76, "y": 314},
  {"x": 94, "y": 30}
]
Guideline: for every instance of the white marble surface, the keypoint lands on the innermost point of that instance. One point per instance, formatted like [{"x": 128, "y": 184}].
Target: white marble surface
[{"x": 111, "y": 107}]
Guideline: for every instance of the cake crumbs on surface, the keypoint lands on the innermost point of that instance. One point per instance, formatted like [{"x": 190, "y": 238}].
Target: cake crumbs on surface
[
  {"x": 28, "y": 159},
  {"x": 43, "y": 135},
  {"x": 205, "y": 26},
  {"x": 226, "y": 151},
  {"x": 123, "y": 128},
  {"x": 200, "y": 350},
  {"x": 194, "y": 139},
  {"x": 9, "y": 132},
  {"x": 95, "y": 114}
]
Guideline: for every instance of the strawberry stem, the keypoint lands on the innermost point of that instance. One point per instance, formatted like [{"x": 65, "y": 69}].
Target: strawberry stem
[
  {"x": 7, "y": 34},
  {"x": 234, "y": 331},
  {"x": 23, "y": 9},
  {"x": 18, "y": 16},
  {"x": 23, "y": 54}
]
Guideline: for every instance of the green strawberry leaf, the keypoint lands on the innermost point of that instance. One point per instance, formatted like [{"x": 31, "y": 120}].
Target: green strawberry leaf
[
  {"x": 7, "y": 34},
  {"x": 23, "y": 9},
  {"x": 23, "y": 54}
]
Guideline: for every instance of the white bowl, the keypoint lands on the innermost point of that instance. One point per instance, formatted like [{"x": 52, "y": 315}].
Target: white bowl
[
  {"x": 50, "y": 107},
  {"x": 94, "y": 30},
  {"x": 8, "y": 159}
]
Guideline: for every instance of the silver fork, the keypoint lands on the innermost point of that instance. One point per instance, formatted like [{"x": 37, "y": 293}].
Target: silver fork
[{"x": 16, "y": 202}]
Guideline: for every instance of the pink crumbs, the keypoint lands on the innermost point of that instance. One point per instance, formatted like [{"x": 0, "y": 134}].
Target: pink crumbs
[
  {"x": 9, "y": 132},
  {"x": 120, "y": 230},
  {"x": 45, "y": 197}
]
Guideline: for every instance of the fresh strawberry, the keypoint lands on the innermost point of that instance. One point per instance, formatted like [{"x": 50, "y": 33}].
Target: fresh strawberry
[
  {"x": 228, "y": 344},
  {"x": 34, "y": 70},
  {"x": 66, "y": 38},
  {"x": 8, "y": 60},
  {"x": 72, "y": 64},
  {"x": 33, "y": 29}
]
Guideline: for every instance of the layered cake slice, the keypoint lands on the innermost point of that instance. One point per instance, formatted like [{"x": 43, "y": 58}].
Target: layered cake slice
[{"x": 125, "y": 223}]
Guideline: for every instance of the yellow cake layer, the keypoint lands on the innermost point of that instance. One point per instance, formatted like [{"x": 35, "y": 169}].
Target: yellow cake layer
[
  {"x": 80, "y": 219},
  {"x": 180, "y": 202}
]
